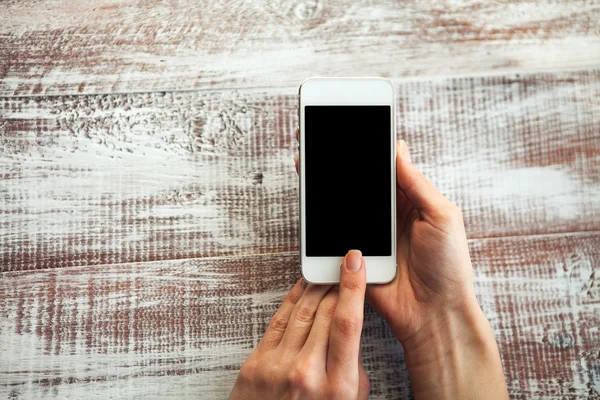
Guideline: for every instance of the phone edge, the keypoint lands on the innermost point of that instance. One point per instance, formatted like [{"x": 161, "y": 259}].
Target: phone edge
[{"x": 393, "y": 137}]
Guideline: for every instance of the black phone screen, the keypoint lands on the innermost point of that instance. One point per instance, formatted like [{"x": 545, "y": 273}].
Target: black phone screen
[{"x": 347, "y": 180}]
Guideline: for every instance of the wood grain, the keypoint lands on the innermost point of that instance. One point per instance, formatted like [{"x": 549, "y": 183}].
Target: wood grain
[
  {"x": 69, "y": 47},
  {"x": 148, "y": 200},
  {"x": 109, "y": 179},
  {"x": 183, "y": 328}
]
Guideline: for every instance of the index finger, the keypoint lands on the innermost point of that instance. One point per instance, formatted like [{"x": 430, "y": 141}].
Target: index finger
[{"x": 344, "y": 340}]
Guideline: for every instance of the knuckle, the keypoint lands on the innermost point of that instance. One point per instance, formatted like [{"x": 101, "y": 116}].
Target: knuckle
[
  {"x": 264, "y": 369},
  {"x": 305, "y": 313},
  {"x": 293, "y": 297},
  {"x": 451, "y": 214},
  {"x": 455, "y": 211},
  {"x": 348, "y": 324},
  {"x": 351, "y": 283},
  {"x": 328, "y": 305},
  {"x": 248, "y": 372},
  {"x": 459, "y": 215},
  {"x": 278, "y": 323},
  {"x": 299, "y": 379}
]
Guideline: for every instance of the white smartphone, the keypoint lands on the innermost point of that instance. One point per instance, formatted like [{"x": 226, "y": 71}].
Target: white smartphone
[{"x": 347, "y": 137}]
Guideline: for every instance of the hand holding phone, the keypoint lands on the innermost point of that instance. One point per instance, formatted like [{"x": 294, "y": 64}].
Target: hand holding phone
[
  {"x": 430, "y": 305},
  {"x": 449, "y": 346}
]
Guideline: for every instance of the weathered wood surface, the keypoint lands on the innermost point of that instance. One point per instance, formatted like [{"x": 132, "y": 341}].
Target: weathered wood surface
[
  {"x": 67, "y": 47},
  {"x": 147, "y": 238},
  {"x": 183, "y": 328},
  {"x": 109, "y": 179}
]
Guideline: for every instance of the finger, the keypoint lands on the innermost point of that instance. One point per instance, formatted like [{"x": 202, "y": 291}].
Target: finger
[
  {"x": 297, "y": 134},
  {"x": 279, "y": 321},
  {"x": 297, "y": 163},
  {"x": 302, "y": 317},
  {"x": 364, "y": 384},
  {"x": 318, "y": 339},
  {"x": 416, "y": 187},
  {"x": 344, "y": 341}
]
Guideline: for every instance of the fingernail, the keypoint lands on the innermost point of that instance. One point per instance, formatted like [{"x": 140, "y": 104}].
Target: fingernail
[
  {"x": 304, "y": 283},
  {"x": 353, "y": 260},
  {"x": 295, "y": 159},
  {"x": 404, "y": 150}
]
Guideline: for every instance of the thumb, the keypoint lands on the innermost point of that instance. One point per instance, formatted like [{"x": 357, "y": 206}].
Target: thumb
[{"x": 416, "y": 187}]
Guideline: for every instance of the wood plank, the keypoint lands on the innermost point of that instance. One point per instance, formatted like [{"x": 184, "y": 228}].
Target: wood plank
[
  {"x": 118, "y": 178},
  {"x": 183, "y": 328},
  {"x": 68, "y": 47},
  {"x": 127, "y": 178}
]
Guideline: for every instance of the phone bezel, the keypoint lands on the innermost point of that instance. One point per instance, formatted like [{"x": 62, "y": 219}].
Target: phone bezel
[{"x": 347, "y": 91}]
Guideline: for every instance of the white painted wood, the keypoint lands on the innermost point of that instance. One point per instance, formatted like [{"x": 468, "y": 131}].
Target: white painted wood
[
  {"x": 183, "y": 328},
  {"x": 147, "y": 238},
  {"x": 68, "y": 46},
  {"x": 141, "y": 177}
]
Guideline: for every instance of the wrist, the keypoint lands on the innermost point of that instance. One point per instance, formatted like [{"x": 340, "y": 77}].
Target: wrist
[
  {"x": 447, "y": 332},
  {"x": 455, "y": 355}
]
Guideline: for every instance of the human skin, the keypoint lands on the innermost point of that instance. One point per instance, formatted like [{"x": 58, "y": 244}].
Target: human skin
[
  {"x": 449, "y": 346},
  {"x": 430, "y": 305},
  {"x": 312, "y": 344}
]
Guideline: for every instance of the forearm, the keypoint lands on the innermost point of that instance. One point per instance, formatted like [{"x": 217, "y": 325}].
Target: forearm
[{"x": 456, "y": 356}]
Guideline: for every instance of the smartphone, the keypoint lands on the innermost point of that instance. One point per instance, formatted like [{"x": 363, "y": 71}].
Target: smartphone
[{"x": 347, "y": 137}]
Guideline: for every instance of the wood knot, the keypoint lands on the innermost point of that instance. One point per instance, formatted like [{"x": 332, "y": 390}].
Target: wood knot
[
  {"x": 560, "y": 339},
  {"x": 305, "y": 10},
  {"x": 257, "y": 178},
  {"x": 580, "y": 273}
]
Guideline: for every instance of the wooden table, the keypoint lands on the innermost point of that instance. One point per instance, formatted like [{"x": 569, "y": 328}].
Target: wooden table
[{"x": 148, "y": 202}]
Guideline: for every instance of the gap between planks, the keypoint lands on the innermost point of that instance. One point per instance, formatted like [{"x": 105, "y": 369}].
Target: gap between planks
[
  {"x": 396, "y": 82},
  {"x": 286, "y": 253}
]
